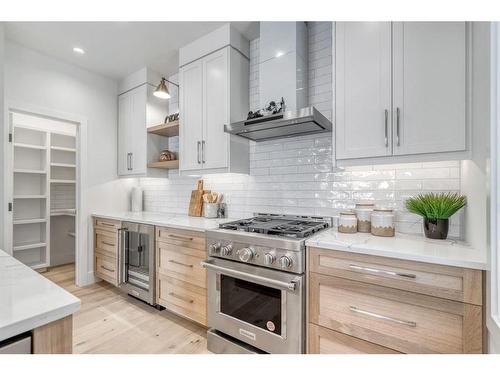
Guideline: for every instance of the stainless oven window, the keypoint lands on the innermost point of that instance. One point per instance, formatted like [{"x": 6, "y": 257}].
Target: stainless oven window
[
  {"x": 252, "y": 303},
  {"x": 137, "y": 253}
]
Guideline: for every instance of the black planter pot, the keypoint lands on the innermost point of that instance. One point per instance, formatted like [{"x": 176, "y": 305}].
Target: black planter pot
[{"x": 436, "y": 229}]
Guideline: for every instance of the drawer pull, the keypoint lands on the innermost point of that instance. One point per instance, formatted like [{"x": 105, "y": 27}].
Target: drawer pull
[
  {"x": 180, "y": 264},
  {"x": 382, "y": 317},
  {"x": 181, "y": 297},
  {"x": 107, "y": 269},
  {"x": 374, "y": 270},
  {"x": 106, "y": 224},
  {"x": 107, "y": 243},
  {"x": 180, "y": 237}
]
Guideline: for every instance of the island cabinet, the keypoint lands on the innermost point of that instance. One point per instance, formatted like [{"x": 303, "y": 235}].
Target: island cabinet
[
  {"x": 181, "y": 281},
  {"x": 369, "y": 304},
  {"x": 106, "y": 255}
]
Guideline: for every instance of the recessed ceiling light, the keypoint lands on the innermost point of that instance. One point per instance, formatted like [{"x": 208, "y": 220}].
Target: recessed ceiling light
[{"x": 78, "y": 50}]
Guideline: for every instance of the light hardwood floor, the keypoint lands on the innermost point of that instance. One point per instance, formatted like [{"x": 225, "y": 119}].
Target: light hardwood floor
[{"x": 110, "y": 321}]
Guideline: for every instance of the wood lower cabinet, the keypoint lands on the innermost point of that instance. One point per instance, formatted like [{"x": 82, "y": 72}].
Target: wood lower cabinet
[
  {"x": 356, "y": 300},
  {"x": 54, "y": 338},
  {"x": 181, "y": 282},
  {"x": 106, "y": 256}
]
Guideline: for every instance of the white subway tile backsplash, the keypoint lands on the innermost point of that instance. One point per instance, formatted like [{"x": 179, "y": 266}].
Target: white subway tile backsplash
[{"x": 296, "y": 175}]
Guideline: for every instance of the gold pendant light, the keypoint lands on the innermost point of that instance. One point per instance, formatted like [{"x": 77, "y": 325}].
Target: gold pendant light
[{"x": 162, "y": 90}]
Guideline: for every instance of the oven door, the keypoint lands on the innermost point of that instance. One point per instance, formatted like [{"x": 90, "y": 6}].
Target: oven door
[{"x": 259, "y": 306}]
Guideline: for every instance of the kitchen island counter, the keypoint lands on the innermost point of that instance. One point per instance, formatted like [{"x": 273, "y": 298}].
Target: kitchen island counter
[{"x": 28, "y": 300}]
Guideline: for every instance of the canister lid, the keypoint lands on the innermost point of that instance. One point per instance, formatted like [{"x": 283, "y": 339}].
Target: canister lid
[{"x": 348, "y": 213}]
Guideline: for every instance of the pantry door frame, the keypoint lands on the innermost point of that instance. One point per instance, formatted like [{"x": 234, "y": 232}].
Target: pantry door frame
[{"x": 83, "y": 236}]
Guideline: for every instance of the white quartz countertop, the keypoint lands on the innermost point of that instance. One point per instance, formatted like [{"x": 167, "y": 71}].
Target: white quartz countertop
[
  {"x": 28, "y": 300},
  {"x": 169, "y": 220},
  {"x": 421, "y": 249}
]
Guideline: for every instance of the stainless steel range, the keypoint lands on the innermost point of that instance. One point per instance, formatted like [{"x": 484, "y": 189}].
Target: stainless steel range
[{"x": 256, "y": 283}]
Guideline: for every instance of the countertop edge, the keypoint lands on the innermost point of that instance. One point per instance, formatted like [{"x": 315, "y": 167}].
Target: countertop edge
[
  {"x": 478, "y": 265},
  {"x": 39, "y": 320}
]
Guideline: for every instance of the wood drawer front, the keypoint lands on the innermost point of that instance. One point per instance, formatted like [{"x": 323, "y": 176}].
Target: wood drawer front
[
  {"x": 180, "y": 237},
  {"x": 400, "y": 320},
  {"x": 453, "y": 283},
  {"x": 326, "y": 341},
  {"x": 107, "y": 224},
  {"x": 106, "y": 268},
  {"x": 106, "y": 243},
  {"x": 179, "y": 265},
  {"x": 182, "y": 298}
]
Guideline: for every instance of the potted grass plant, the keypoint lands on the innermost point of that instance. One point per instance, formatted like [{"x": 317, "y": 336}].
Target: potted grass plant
[{"x": 436, "y": 209}]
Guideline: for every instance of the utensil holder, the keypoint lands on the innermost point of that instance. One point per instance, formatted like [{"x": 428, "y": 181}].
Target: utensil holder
[{"x": 210, "y": 210}]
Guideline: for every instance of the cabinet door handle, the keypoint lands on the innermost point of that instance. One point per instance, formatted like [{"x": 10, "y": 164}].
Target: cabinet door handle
[
  {"x": 375, "y": 270},
  {"x": 203, "y": 152},
  {"x": 382, "y": 317},
  {"x": 107, "y": 269},
  {"x": 106, "y": 224},
  {"x": 188, "y": 300},
  {"x": 198, "y": 149},
  {"x": 397, "y": 126},
  {"x": 386, "y": 131},
  {"x": 129, "y": 161},
  {"x": 107, "y": 243},
  {"x": 180, "y": 237},
  {"x": 180, "y": 264}
]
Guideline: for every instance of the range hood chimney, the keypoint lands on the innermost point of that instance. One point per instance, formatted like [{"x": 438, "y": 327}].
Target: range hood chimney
[{"x": 283, "y": 73}]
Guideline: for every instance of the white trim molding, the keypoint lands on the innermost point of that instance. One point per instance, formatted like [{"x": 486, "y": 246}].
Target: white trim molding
[{"x": 493, "y": 280}]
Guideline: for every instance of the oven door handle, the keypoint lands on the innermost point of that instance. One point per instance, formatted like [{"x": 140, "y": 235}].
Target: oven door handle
[{"x": 292, "y": 285}]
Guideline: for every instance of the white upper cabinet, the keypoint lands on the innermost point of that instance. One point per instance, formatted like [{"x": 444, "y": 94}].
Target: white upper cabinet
[
  {"x": 190, "y": 106},
  {"x": 138, "y": 109},
  {"x": 363, "y": 89},
  {"x": 429, "y": 87},
  {"x": 215, "y": 109},
  {"x": 213, "y": 92},
  {"x": 401, "y": 91}
]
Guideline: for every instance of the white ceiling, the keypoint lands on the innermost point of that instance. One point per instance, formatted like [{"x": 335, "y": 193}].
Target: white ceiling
[{"x": 116, "y": 49}]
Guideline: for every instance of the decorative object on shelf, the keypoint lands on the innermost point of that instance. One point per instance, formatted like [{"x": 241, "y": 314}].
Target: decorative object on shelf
[
  {"x": 363, "y": 213},
  {"x": 348, "y": 223},
  {"x": 162, "y": 89},
  {"x": 436, "y": 209},
  {"x": 271, "y": 109},
  {"x": 166, "y": 155},
  {"x": 382, "y": 222},
  {"x": 136, "y": 199},
  {"x": 171, "y": 118}
]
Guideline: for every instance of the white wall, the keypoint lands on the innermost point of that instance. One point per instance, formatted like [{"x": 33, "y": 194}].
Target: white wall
[{"x": 42, "y": 81}]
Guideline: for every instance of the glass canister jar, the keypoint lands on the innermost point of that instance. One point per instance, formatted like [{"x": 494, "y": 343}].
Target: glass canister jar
[
  {"x": 363, "y": 213},
  {"x": 382, "y": 222},
  {"x": 348, "y": 222}
]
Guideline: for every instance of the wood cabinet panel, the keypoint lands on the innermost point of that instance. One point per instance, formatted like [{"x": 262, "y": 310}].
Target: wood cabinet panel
[
  {"x": 106, "y": 243},
  {"x": 400, "y": 320},
  {"x": 54, "y": 338},
  {"x": 182, "y": 298},
  {"x": 184, "y": 238},
  {"x": 326, "y": 341},
  {"x": 106, "y": 268},
  {"x": 107, "y": 224},
  {"x": 180, "y": 265},
  {"x": 435, "y": 280}
]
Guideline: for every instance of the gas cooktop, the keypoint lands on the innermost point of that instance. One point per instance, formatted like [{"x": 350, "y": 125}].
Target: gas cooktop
[{"x": 280, "y": 225}]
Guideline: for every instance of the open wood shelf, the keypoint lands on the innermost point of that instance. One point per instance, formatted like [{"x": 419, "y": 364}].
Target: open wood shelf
[
  {"x": 170, "y": 164},
  {"x": 29, "y": 221},
  {"x": 63, "y": 165},
  {"x": 60, "y": 181},
  {"x": 29, "y": 245},
  {"x": 30, "y": 146},
  {"x": 67, "y": 149},
  {"x": 170, "y": 129}
]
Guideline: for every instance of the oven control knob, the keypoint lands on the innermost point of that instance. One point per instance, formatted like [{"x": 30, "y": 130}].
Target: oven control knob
[
  {"x": 214, "y": 248},
  {"x": 227, "y": 250},
  {"x": 269, "y": 259},
  {"x": 285, "y": 262},
  {"x": 245, "y": 254}
]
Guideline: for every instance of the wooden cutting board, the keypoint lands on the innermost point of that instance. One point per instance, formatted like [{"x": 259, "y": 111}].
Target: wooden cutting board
[{"x": 196, "y": 202}]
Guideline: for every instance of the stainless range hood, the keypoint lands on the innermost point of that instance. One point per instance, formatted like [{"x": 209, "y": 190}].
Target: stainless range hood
[
  {"x": 283, "y": 67},
  {"x": 287, "y": 124}
]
